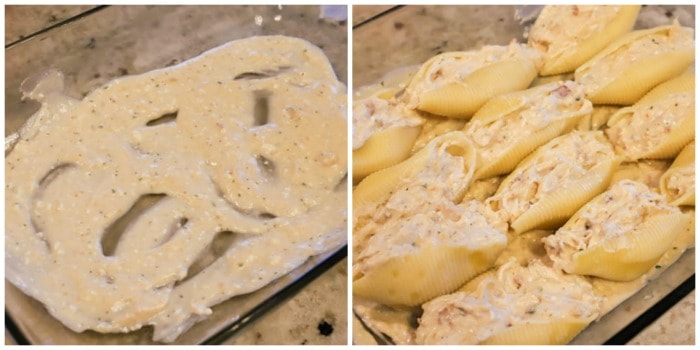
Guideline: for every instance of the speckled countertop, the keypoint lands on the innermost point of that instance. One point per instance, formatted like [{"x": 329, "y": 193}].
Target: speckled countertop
[
  {"x": 92, "y": 52},
  {"x": 412, "y": 34}
]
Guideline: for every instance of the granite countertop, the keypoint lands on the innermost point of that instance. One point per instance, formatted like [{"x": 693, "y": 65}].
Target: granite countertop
[
  {"x": 318, "y": 313},
  {"x": 413, "y": 34}
]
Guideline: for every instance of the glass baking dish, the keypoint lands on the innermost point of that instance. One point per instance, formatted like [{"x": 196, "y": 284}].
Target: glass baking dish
[
  {"x": 401, "y": 36},
  {"x": 108, "y": 42}
]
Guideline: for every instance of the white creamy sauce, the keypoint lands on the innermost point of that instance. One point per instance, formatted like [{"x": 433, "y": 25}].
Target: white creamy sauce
[
  {"x": 609, "y": 67},
  {"x": 373, "y": 114},
  {"x": 647, "y": 125},
  {"x": 455, "y": 67},
  {"x": 560, "y": 162},
  {"x": 561, "y": 29},
  {"x": 274, "y": 184},
  {"x": 514, "y": 295},
  {"x": 547, "y": 103},
  {"x": 612, "y": 214}
]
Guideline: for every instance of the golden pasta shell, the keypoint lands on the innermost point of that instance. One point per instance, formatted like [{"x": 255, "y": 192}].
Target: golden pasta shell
[
  {"x": 379, "y": 185},
  {"x": 463, "y": 99},
  {"x": 629, "y": 256},
  {"x": 641, "y": 75},
  {"x": 583, "y": 51},
  {"x": 672, "y": 144},
  {"x": 682, "y": 134},
  {"x": 683, "y": 83},
  {"x": 684, "y": 158},
  {"x": 418, "y": 277},
  {"x": 557, "y": 207},
  {"x": 383, "y": 149},
  {"x": 512, "y": 155},
  {"x": 556, "y": 332}
]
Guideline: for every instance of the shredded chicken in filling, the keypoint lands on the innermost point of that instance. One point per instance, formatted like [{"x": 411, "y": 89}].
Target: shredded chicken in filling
[
  {"x": 373, "y": 114},
  {"x": 548, "y": 104},
  {"x": 423, "y": 213},
  {"x": 639, "y": 132},
  {"x": 456, "y": 67},
  {"x": 609, "y": 67},
  {"x": 514, "y": 295},
  {"x": 681, "y": 181},
  {"x": 612, "y": 214},
  {"x": 556, "y": 164},
  {"x": 560, "y": 29}
]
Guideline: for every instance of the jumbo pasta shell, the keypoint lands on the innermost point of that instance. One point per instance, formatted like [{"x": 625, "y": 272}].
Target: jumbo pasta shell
[
  {"x": 378, "y": 186},
  {"x": 383, "y": 149},
  {"x": 683, "y": 83},
  {"x": 511, "y": 156},
  {"x": 629, "y": 256},
  {"x": 679, "y": 136},
  {"x": 556, "y": 332},
  {"x": 461, "y": 99},
  {"x": 417, "y": 277},
  {"x": 684, "y": 160},
  {"x": 557, "y": 207},
  {"x": 558, "y": 59},
  {"x": 628, "y": 85}
]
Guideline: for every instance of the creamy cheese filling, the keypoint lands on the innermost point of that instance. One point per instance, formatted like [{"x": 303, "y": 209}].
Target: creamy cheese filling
[
  {"x": 681, "y": 181},
  {"x": 512, "y": 296},
  {"x": 639, "y": 132},
  {"x": 560, "y": 29},
  {"x": 422, "y": 213},
  {"x": 545, "y": 105},
  {"x": 556, "y": 164},
  {"x": 373, "y": 114},
  {"x": 609, "y": 67},
  {"x": 455, "y": 67},
  {"x": 612, "y": 214}
]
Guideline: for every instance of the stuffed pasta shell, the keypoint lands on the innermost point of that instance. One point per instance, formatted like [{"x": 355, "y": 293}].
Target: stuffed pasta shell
[
  {"x": 570, "y": 35},
  {"x": 457, "y": 84},
  {"x": 509, "y": 127},
  {"x": 419, "y": 243},
  {"x": 618, "y": 235},
  {"x": 555, "y": 181},
  {"x": 678, "y": 183},
  {"x": 513, "y": 305},
  {"x": 659, "y": 125},
  {"x": 383, "y": 134},
  {"x": 632, "y": 65}
]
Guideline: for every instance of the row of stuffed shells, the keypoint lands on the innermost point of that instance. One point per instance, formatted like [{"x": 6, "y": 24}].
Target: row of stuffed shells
[{"x": 458, "y": 84}]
